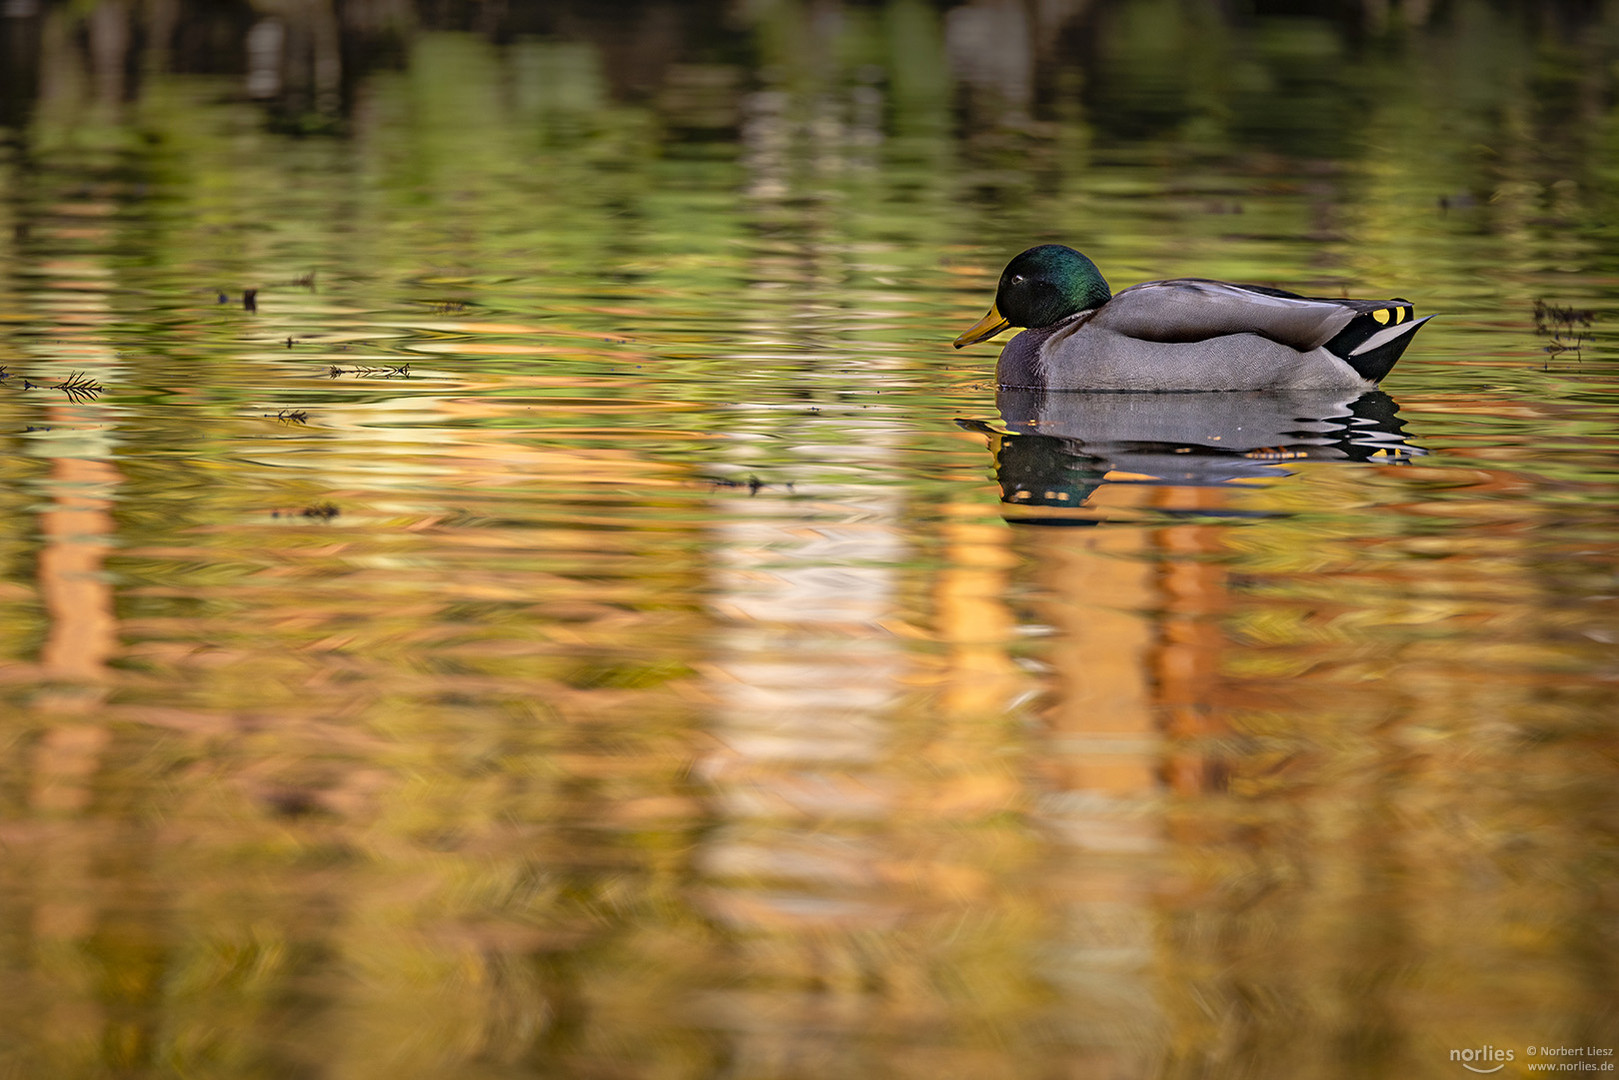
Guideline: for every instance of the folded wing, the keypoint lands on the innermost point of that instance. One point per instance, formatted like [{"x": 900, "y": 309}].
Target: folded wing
[{"x": 1191, "y": 309}]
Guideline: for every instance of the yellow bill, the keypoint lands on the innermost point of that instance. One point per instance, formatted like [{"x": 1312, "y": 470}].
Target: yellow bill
[{"x": 987, "y": 327}]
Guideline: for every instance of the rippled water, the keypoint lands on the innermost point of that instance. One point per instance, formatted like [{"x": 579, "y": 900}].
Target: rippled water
[{"x": 585, "y": 620}]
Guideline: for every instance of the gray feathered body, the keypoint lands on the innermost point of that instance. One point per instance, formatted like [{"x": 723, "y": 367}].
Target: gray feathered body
[{"x": 1191, "y": 334}]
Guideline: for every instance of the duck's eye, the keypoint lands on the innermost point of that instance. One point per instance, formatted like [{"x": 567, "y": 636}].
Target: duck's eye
[{"x": 1017, "y": 279}]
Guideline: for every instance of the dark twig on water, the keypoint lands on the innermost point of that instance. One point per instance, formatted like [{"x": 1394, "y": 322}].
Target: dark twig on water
[
  {"x": 79, "y": 387},
  {"x": 321, "y": 511},
  {"x": 363, "y": 371},
  {"x": 1568, "y": 328},
  {"x": 752, "y": 483}
]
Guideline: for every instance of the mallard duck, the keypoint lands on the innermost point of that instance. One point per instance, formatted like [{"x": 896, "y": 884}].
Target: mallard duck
[{"x": 1184, "y": 334}]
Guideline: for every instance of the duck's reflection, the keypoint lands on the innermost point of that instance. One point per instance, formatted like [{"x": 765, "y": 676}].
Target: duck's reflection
[{"x": 1055, "y": 450}]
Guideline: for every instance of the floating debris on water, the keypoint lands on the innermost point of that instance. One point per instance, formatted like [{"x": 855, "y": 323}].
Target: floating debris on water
[
  {"x": 1568, "y": 327},
  {"x": 364, "y": 371},
  {"x": 322, "y": 511},
  {"x": 77, "y": 386}
]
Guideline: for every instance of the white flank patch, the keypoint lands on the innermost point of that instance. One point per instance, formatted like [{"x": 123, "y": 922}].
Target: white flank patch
[{"x": 1383, "y": 337}]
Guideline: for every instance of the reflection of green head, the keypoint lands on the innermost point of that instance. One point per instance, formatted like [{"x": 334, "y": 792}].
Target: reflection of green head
[
  {"x": 1046, "y": 284},
  {"x": 1037, "y": 470}
]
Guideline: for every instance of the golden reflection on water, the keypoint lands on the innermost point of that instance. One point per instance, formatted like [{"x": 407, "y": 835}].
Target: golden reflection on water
[{"x": 500, "y": 764}]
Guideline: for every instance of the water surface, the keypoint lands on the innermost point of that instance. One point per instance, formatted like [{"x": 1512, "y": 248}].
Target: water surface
[{"x": 585, "y": 620}]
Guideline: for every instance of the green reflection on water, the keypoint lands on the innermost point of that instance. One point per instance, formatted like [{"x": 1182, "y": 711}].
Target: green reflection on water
[{"x": 668, "y": 694}]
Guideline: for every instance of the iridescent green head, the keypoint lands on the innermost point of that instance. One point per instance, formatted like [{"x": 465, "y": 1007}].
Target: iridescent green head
[{"x": 1041, "y": 287}]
